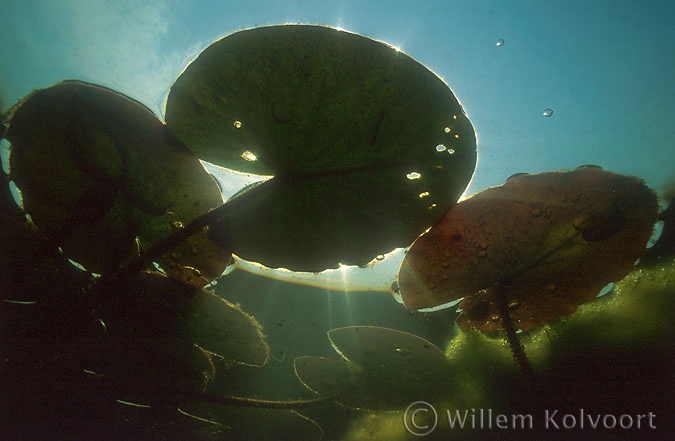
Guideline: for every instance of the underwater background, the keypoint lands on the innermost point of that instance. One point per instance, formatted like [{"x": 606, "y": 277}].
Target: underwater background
[{"x": 548, "y": 86}]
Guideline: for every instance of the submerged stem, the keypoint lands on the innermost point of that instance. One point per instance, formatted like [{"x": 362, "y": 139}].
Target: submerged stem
[
  {"x": 514, "y": 343},
  {"x": 146, "y": 258},
  {"x": 264, "y": 404}
]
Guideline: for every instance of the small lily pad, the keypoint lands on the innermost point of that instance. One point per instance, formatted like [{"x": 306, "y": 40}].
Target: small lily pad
[
  {"x": 367, "y": 146},
  {"x": 381, "y": 369},
  {"x": 327, "y": 376}
]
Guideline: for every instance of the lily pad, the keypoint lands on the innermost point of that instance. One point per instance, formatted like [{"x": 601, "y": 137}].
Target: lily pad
[
  {"x": 549, "y": 242},
  {"x": 151, "y": 306},
  {"x": 381, "y": 369},
  {"x": 97, "y": 170},
  {"x": 33, "y": 269},
  {"x": 327, "y": 376},
  {"x": 8, "y": 206},
  {"x": 367, "y": 146},
  {"x": 157, "y": 371}
]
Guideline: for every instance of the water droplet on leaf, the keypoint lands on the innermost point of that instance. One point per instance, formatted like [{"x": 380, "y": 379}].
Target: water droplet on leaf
[{"x": 249, "y": 156}]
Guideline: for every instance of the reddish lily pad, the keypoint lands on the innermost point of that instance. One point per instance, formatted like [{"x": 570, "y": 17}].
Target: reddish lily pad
[{"x": 551, "y": 241}]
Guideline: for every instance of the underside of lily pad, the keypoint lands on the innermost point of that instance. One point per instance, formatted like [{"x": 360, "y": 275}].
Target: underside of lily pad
[
  {"x": 367, "y": 146},
  {"x": 100, "y": 174},
  {"x": 549, "y": 242}
]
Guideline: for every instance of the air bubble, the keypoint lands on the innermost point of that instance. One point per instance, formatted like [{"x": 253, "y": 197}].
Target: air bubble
[
  {"x": 424, "y": 194},
  {"x": 606, "y": 289},
  {"x": 500, "y": 42},
  {"x": 547, "y": 112},
  {"x": 413, "y": 175},
  {"x": 451, "y": 151},
  {"x": 16, "y": 193},
  {"x": 237, "y": 124},
  {"x": 249, "y": 156},
  {"x": 441, "y": 148},
  {"x": 4, "y": 155},
  {"x": 177, "y": 224},
  {"x": 379, "y": 257},
  {"x": 515, "y": 304},
  {"x": 456, "y": 135},
  {"x": 447, "y": 130}
]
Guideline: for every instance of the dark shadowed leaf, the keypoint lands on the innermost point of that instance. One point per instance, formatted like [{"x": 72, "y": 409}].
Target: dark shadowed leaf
[
  {"x": 151, "y": 306},
  {"x": 33, "y": 269},
  {"x": 97, "y": 169},
  {"x": 150, "y": 371},
  {"x": 367, "y": 147},
  {"x": 381, "y": 369},
  {"x": 551, "y": 241}
]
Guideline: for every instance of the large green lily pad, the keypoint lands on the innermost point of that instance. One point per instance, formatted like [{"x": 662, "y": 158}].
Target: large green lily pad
[
  {"x": 97, "y": 170},
  {"x": 549, "y": 242},
  {"x": 381, "y": 369},
  {"x": 367, "y": 147}
]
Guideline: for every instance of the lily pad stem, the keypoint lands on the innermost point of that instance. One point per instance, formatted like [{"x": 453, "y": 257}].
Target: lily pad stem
[
  {"x": 145, "y": 259},
  {"x": 511, "y": 336},
  {"x": 263, "y": 404}
]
